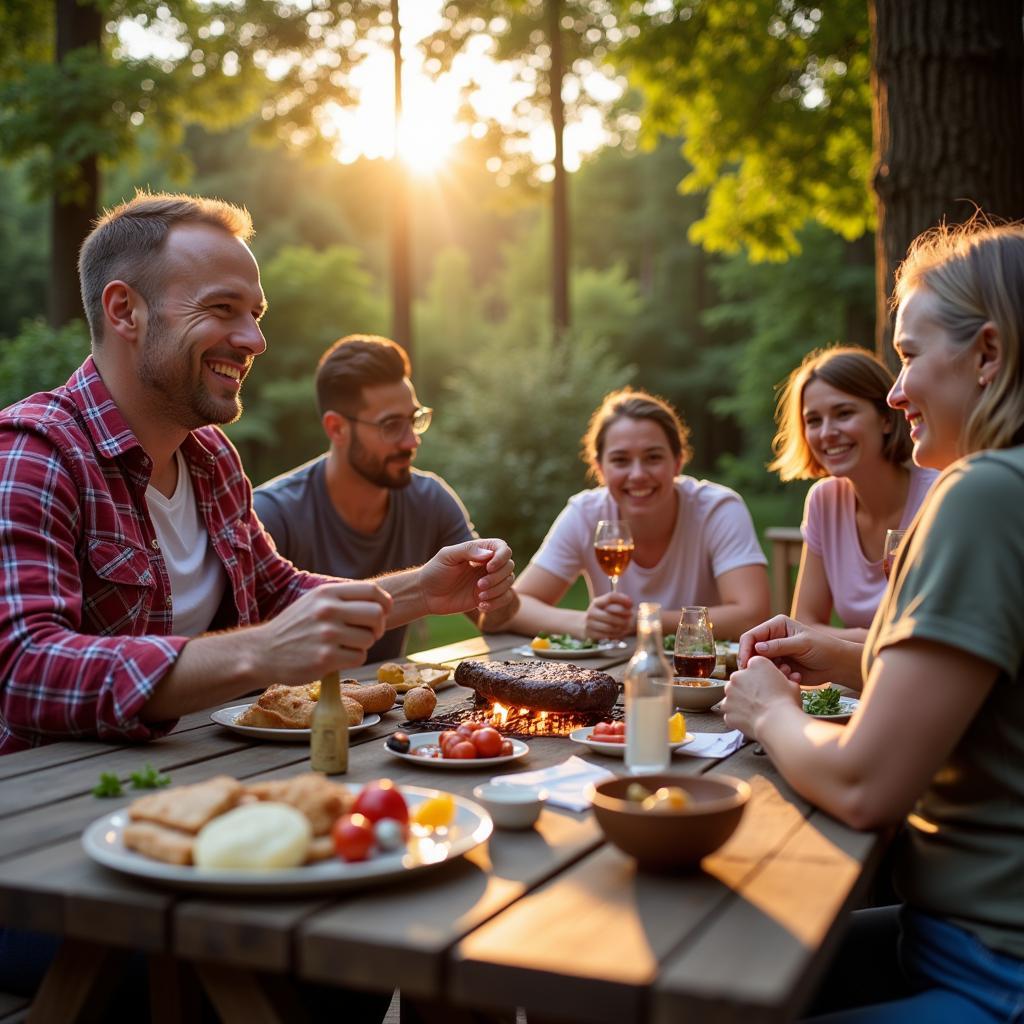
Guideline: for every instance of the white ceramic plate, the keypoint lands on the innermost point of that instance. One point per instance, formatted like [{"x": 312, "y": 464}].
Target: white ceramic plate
[
  {"x": 227, "y": 716},
  {"x": 425, "y": 739},
  {"x": 602, "y": 650},
  {"x": 848, "y": 706},
  {"x": 472, "y": 825},
  {"x": 613, "y": 749}
]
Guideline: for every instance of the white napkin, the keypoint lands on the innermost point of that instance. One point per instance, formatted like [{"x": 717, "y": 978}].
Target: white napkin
[
  {"x": 567, "y": 783},
  {"x": 713, "y": 744}
]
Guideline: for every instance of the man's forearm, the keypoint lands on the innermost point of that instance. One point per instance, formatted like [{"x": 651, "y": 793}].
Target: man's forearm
[{"x": 407, "y": 594}]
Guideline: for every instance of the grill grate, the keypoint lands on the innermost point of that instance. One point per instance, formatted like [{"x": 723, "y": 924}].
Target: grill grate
[{"x": 516, "y": 722}]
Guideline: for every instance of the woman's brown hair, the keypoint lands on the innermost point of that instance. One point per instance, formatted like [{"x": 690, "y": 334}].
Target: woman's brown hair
[
  {"x": 854, "y": 371},
  {"x": 634, "y": 404}
]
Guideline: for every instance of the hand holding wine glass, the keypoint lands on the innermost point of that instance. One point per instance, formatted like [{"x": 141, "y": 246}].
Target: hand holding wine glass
[
  {"x": 613, "y": 548},
  {"x": 694, "y": 654}
]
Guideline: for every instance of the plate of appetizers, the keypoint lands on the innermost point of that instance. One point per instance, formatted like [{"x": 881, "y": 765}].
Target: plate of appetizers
[{"x": 228, "y": 718}]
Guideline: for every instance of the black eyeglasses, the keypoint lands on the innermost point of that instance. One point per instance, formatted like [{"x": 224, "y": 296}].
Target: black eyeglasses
[{"x": 393, "y": 428}]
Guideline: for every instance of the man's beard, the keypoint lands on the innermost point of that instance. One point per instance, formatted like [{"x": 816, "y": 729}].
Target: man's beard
[
  {"x": 179, "y": 394},
  {"x": 377, "y": 471}
]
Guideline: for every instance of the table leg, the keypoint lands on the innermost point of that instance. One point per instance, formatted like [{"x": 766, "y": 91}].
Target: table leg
[
  {"x": 78, "y": 981},
  {"x": 174, "y": 993},
  {"x": 238, "y": 996}
]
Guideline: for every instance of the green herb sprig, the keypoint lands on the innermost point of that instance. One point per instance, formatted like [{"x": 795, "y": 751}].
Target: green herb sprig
[
  {"x": 149, "y": 778},
  {"x": 109, "y": 785},
  {"x": 822, "y": 702}
]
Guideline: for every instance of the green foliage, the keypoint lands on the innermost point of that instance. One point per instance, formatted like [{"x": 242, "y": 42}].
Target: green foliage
[
  {"x": 773, "y": 100},
  {"x": 315, "y": 298},
  {"x": 40, "y": 358},
  {"x": 22, "y": 251},
  {"x": 778, "y": 313},
  {"x": 507, "y": 435}
]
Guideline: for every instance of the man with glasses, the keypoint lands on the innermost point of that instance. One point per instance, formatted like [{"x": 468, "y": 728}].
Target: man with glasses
[{"x": 361, "y": 509}]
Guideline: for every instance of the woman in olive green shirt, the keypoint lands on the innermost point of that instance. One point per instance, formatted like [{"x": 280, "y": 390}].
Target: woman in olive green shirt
[{"x": 938, "y": 741}]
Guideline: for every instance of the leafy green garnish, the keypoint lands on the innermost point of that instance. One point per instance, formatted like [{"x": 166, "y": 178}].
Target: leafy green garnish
[
  {"x": 109, "y": 785},
  {"x": 149, "y": 778},
  {"x": 822, "y": 702},
  {"x": 670, "y": 643},
  {"x": 565, "y": 642}
]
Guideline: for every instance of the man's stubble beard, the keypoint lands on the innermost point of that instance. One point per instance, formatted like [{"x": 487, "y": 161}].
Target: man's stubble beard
[
  {"x": 179, "y": 395},
  {"x": 375, "y": 470}
]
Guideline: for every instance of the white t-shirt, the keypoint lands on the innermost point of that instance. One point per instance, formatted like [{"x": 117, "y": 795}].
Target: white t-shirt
[
  {"x": 713, "y": 535},
  {"x": 196, "y": 574}
]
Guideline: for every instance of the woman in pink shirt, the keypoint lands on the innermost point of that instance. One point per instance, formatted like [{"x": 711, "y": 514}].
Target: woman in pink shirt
[{"x": 834, "y": 424}]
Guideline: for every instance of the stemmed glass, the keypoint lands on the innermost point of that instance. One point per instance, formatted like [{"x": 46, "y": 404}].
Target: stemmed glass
[
  {"x": 893, "y": 540},
  {"x": 613, "y": 548},
  {"x": 694, "y": 654}
]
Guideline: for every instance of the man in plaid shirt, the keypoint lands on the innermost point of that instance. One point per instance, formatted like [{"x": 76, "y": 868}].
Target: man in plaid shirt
[{"x": 136, "y": 583}]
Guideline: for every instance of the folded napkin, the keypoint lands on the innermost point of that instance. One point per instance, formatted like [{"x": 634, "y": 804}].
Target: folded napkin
[
  {"x": 713, "y": 744},
  {"x": 567, "y": 783}
]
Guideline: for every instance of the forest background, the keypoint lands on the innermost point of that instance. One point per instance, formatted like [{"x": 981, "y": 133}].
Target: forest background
[{"x": 706, "y": 293}]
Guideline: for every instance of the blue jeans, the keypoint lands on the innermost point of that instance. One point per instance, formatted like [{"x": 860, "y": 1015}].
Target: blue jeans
[{"x": 948, "y": 977}]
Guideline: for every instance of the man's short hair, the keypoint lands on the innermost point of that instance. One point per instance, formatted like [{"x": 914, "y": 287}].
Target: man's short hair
[
  {"x": 355, "y": 362},
  {"x": 127, "y": 243}
]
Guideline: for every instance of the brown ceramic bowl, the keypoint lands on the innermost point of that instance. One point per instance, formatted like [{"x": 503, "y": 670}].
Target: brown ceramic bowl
[{"x": 675, "y": 839}]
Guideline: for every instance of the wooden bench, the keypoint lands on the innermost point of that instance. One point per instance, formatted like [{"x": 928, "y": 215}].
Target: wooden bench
[{"x": 787, "y": 543}]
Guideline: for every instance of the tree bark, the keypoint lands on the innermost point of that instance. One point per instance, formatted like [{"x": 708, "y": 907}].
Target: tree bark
[
  {"x": 71, "y": 213},
  {"x": 560, "y": 195},
  {"x": 948, "y": 118},
  {"x": 401, "y": 260}
]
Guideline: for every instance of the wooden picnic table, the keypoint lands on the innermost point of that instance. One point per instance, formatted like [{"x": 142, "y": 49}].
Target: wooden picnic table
[{"x": 553, "y": 919}]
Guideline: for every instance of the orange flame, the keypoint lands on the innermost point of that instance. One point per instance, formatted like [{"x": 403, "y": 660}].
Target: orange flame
[{"x": 499, "y": 714}]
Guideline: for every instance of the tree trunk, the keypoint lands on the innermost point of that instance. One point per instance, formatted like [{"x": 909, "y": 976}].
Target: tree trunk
[
  {"x": 401, "y": 260},
  {"x": 71, "y": 213},
  {"x": 559, "y": 196},
  {"x": 948, "y": 85}
]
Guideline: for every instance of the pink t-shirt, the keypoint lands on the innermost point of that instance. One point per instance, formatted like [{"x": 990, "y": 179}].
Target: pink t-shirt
[
  {"x": 713, "y": 534},
  {"x": 830, "y": 531}
]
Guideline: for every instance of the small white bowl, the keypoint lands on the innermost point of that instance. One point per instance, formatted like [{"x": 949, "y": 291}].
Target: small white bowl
[
  {"x": 696, "y": 694},
  {"x": 511, "y": 806}
]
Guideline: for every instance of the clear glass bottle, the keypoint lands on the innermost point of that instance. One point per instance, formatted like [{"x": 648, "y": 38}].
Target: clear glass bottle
[
  {"x": 648, "y": 691},
  {"x": 328, "y": 741}
]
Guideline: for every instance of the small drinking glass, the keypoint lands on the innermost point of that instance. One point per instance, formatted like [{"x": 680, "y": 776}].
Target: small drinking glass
[
  {"x": 613, "y": 548},
  {"x": 694, "y": 654},
  {"x": 893, "y": 540}
]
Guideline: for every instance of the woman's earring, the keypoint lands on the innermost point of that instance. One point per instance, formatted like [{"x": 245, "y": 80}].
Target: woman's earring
[{"x": 982, "y": 382}]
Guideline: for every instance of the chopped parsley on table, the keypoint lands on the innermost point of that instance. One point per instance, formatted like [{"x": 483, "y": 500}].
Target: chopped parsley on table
[{"x": 146, "y": 777}]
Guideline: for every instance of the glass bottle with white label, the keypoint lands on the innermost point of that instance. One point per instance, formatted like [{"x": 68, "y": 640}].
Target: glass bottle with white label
[{"x": 648, "y": 693}]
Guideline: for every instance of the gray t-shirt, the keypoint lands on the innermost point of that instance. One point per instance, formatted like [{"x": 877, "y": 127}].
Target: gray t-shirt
[
  {"x": 959, "y": 581},
  {"x": 422, "y": 518}
]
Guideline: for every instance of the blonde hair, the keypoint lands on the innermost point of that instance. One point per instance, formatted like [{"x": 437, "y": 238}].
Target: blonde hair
[
  {"x": 634, "y": 404},
  {"x": 854, "y": 371},
  {"x": 976, "y": 273}
]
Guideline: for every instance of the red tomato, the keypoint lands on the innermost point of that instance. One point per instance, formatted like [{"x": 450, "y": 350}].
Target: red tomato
[
  {"x": 461, "y": 751},
  {"x": 506, "y": 748},
  {"x": 353, "y": 837},
  {"x": 446, "y": 736},
  {"x": 466, "y": 729},
  {"x": 382, "y": 799},
  {"x": 601, "y": 728},
  {"x": 487, "y": 742},
  {"x": 618, "y": 728}
]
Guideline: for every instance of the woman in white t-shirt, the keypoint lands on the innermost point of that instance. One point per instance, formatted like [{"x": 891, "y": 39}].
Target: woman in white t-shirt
[
  {"x": 694, "y": 540},
  {"x": 835, "y": 425}
]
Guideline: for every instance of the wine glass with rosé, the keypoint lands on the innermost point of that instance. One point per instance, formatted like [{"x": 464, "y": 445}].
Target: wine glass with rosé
[
  {"x": 694, "y": 654},
  {"x": 893, "y": 540},
  {"x": 613, "y": 548}
]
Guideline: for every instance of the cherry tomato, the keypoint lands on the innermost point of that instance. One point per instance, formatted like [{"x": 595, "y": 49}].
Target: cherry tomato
[
  {"x": 353, "y": 837},
  {"x": 506, "y": 748},
  {"x": 461, "y": 751},
  {"x": 381, "y": 799},
  {"x": 448, "y": 736},
  {"x": 467, "y": 729},
  {"x": 487, "y": 742},
  {"x": 618, "y": 728}
]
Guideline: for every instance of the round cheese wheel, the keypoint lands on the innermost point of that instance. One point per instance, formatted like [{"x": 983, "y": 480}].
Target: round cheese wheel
[{"x": 254, "y": 837}]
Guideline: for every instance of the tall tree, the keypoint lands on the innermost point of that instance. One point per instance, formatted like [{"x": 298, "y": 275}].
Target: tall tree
[
  {"x": 79, "y": 77},
  {"x": 774, "y": 99},
  {"x": 949, "y": 122}
]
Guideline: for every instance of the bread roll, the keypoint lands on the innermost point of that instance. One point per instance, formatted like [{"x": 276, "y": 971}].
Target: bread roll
[
  {"x": 254, "y": 837},
  {"x": 420, "y": 703}
]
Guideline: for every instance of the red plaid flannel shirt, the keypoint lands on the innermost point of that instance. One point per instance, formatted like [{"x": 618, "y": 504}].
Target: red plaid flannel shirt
[{"x": 85, "y": 601}]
